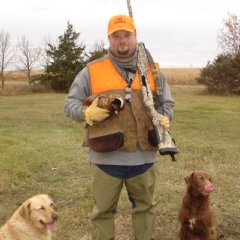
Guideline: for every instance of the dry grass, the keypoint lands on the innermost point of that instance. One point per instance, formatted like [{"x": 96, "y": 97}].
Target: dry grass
[
  {"x": 17, "y": 82},
  {"x": 18, "y": 76},
  {"x": 181, "y": 75}
]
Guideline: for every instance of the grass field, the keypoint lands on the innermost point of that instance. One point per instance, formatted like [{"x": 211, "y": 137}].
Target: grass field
[{"x": 41, "y": 153}]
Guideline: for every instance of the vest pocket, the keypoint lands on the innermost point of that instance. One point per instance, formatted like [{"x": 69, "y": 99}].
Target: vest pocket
[
  {"x": 104, "y": 136},
  {"x": 107, "y": 143}
]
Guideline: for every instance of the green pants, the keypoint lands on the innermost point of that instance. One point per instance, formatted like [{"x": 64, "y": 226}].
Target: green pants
[{"x": 106, "y": 192}]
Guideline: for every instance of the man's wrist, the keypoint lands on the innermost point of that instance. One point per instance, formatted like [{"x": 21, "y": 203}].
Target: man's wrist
[{"x": 83, "y": 111}]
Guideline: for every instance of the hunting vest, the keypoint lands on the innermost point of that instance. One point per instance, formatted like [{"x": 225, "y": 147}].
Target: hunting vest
[{"x": 132, "y": 126}]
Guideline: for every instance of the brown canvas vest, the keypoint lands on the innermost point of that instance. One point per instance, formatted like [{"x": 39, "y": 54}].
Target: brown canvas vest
[{"x": 132, "y": 126}]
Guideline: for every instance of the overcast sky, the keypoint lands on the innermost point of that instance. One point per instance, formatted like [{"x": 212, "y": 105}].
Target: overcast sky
[{"x": 177, "y": 33}]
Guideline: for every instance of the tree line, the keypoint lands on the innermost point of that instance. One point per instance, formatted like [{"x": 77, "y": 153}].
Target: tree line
[
  {"x": 62, "y": 61},
  {"x": 222, "y": 76}
]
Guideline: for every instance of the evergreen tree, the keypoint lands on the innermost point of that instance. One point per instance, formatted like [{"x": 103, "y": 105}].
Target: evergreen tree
[
  {"x": 67, "y": 59},
  {"x": 222, "y": 76}
]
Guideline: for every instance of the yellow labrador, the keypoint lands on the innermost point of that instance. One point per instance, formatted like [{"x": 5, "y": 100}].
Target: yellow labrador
[{"x": 34, "y": 220}]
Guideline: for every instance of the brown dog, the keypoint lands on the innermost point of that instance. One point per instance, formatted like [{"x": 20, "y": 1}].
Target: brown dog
[
  {"x": 34, "y": 220},
  {"x": 195, "y": 214}
]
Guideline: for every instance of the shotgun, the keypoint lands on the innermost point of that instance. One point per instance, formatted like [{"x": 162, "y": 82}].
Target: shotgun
[{"x": 166, "y": 144}]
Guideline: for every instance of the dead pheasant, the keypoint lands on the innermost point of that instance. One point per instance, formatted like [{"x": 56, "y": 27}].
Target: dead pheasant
[{"x": 113, "y": 102}]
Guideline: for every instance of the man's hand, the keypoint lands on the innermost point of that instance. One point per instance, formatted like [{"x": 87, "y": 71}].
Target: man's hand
[
  {"x": 94, "y": 113},
  {"x": 165, "y": 123}
]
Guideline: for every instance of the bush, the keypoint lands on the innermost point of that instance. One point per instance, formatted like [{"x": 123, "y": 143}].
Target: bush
[{"x": 222, "y": 76}]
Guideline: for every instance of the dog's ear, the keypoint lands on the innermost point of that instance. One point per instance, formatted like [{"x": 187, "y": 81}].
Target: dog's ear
[
  {"x": 24, "y": 210},
  {"x": 188, "y": 179},
  {"x": 53, "y": 204}
]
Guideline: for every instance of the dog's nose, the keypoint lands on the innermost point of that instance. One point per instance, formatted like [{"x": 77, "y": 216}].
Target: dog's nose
[
  {"x": 55, "y": 216},
  {"x": 208, "y": 188}
]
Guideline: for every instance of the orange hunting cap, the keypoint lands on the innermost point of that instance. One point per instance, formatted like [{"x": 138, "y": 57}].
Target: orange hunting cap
[{"x": 120, "y": 22}]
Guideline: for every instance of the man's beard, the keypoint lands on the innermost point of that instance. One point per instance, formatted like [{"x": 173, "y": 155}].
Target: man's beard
[{"x": 123, "y": 51}]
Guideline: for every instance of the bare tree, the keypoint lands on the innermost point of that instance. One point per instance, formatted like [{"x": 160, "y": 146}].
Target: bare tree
[
  {"x": 45, "y": 58},
  {"x": 229, "y": 35},
  {"x": 28, "y": 57},
  {"x": 7, "y": 55},
  {"x": 97, "y": 50}
]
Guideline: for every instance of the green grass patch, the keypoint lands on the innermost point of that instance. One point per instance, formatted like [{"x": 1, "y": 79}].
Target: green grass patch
[{"x": 40, "y": 152}]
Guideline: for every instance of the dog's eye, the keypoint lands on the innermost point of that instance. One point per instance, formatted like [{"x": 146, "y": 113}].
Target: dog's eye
[
  {"x": 201, "y": 178},
  {"x": 42, "y": 208}
]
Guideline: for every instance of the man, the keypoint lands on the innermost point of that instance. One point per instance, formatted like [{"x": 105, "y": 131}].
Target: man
[{"x": 129, "y": 152}]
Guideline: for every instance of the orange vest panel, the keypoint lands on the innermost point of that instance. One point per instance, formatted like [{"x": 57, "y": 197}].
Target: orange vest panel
[{"x": 104, "y": 77}]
